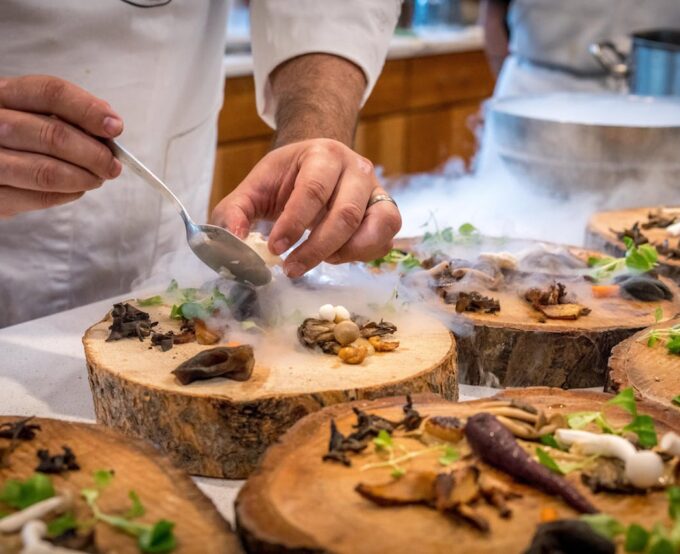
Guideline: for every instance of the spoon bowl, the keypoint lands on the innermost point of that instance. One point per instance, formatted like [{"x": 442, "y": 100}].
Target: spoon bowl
[{"x": 216, "y": 247}]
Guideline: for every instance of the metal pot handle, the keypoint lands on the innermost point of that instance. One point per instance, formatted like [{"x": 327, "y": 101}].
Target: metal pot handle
[{"x": 610, "y": 57}]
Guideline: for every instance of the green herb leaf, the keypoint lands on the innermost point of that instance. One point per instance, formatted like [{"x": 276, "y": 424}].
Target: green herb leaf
[
  {"x": 658, "y": 314},
  {"x": 151, "y": 301},
  {"x": 629, "y": 242},
  {"x": 661, "y": 545},
  {"x": 643, "y": 427},
  {"x": 137, "y": 509},
  {"x": 549, "y": 440},
  {"x": 103, "y": 477},
  {"x": 547, "y": 460},
  {"x": 579, "y": 420},
  {"x": 652, "y": 340},
  {"x": 642, "y": 258},
  {"x": 673, "y": 345},
  {"x": 60, "y": 525},
  {"x": 637, "y": 538},
  {"x": 676, "y": 400},
  {"x": 173, "y": 286},
  {"x": 398, "y": 472},
  {"x": 22, "y": 494},
  {"x": 467, "y": 229},
  {"x": 673, "y": 494},
  {"x": 604, "y": 524},
  {"x": 626, "y": 400},
  {"x": 450, "y": 455},
  {"x": 396, "y": 256},
  {"x": 383, "y": 441},
  {"x": 159, "y": 538}
]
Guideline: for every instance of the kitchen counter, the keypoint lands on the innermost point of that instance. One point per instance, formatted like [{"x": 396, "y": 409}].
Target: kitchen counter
[
  {"x": 43, "y": 373},
  {"x": 422, "y": 43}
]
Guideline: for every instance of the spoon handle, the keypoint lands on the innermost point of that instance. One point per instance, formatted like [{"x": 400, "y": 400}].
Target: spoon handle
[{"x": 127, "y": 158}]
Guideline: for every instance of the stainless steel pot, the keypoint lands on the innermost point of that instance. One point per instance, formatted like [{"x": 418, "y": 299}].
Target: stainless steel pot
[
  {"x": 588, "y": 142},
  {"x": 653, "y": 67}
]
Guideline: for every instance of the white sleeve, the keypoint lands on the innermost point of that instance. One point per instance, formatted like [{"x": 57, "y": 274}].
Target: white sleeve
[{"x": 358, "y": 30}]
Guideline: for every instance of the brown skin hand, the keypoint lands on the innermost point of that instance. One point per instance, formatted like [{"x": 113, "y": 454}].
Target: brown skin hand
[{"x": 312, "y": 179}]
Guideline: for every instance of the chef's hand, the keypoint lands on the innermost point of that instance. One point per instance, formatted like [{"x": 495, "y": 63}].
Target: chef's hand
[
  {"x": 317, "y": 184},
  {"x": 48, "y": 153}
]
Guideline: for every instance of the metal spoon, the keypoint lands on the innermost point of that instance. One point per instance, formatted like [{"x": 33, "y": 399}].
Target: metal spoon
[{"x": 216, "y": 247}]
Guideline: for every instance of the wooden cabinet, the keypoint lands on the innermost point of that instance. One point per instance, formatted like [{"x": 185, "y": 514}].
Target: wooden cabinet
[{"x": 421, "y": 112}]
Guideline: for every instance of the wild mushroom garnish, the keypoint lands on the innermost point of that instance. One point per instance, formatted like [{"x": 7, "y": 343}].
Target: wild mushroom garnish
[
  {"x": 552, "y": 303},
  {"x": 205, "y": 335},
  {"x": 522, "y": 420},
  {"x": 643, "y": 468},
  {"x": 15, "y": 431},
  {"x": 665, "y": 249},
  {"x": 608, "y": 475},
  {"x": 129, "y": 321},
  {"x": 232, "y": 362},
  {"x": 473, "y": 302},
  {"x": 369, "y": 425},
  {"x": 33, "y": 539},
  {"x": 164, "y": 340},
  {"x": 379, "y": 329},
  {"x": 496, "y": 446},
  {"x": 449, "y": 429},
  {"x": 57, "y": 463},
  {"x": 659, "y": 220},
  {"x": 381, "y": 345},
  {"x": 352, "y": 354},
  {"x": 633, "y": 233},
  {"x": 670, "y": 444},
  {"x": 318, "y": 333},
  {"x": 412, "y": 418},
  {"x": 496, "y": 494},
  {"x": 54, "y": 505},
  {"x": 416, "y": 487},
  {"x": 644, "y": 287},
  {"x": 569, "y": 536},
  {"x": 339, "y": 446}
]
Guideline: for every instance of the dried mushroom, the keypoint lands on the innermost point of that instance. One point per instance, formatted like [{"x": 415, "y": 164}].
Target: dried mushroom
[
  {"x": 473, "y": 302},
  {"x": 232, "y": 362},
  {"x": 671, "y": 252},
  {"x": 633, "y": 233},
  {"x": 380, "y": 329},
  {"x": 57, "y": 463},
  {"x": 339, "y": 445},
  {"x": 416, "y": 487},
  {"x": 644, "y": 287},
  {"x": 659, "y": 220},
  {"x": 315, "y": 332},
  {"x": 129, "y": 321},
  {"x": 552, "y": 302},
  {"x": 15, "y": 431},
  {"x": 412, "y": 418}
]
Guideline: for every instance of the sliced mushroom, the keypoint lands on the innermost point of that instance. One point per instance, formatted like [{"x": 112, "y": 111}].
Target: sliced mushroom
[
  {"x": 232, "y": 362},
  {"x": 446, "y": 428},
  {"x": 457, "y": 488},
  {"x": 416, "y": 487}
]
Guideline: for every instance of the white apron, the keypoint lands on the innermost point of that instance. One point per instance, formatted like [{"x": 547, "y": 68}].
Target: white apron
[
  {"x": 159, "y": 67},
  {"x": 549, "y": 41}
]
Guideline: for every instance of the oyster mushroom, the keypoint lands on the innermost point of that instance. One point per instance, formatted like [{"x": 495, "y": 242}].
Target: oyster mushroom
[{"x": 416, "y": 487}]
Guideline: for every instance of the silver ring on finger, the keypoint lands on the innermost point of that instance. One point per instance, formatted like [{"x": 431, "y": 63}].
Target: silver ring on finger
[{"x": 381, "y": 198}]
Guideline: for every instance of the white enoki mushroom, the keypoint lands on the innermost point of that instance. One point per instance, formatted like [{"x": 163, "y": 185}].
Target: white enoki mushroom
[
  {"x": 642, "y": 468},
  {"x": 674, "y": 229},
  {"x": 670, "y": 444},
  {"x": 32, "y": 535},
  {"x": 57, "y": 504}
]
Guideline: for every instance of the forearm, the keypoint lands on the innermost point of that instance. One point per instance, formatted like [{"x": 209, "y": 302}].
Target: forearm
[
  {"x": 492, "y": 16},
  {"x": 317, "y": 96}
]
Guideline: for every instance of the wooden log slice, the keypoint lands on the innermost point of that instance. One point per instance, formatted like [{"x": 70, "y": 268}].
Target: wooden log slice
[
  {"x": 165, "y": 491},
  {"x": 220, "y": 427},
  {"x": 602, "y": 228},
  {"x": 294, "y": 502},
  {"x": 653, "y": 373},
  {"x": 517, "y": 347}
]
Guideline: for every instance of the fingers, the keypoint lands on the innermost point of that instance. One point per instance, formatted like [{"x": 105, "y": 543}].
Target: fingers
[
  {"x": 25, "y": 170},
  {"x": 235, "y": 212},
  {"x": 14, "y": 200},
  {"x": 315, "y": 183},
  {"x": 43, "y": 94},
  {"x": 374, "y": 237},
  {"x": 344, "y": 217},
  {"x": 49, "y": 135}
]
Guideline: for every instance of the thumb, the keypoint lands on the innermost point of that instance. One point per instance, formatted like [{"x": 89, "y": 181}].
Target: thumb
[{"x": 236, "y": 213}]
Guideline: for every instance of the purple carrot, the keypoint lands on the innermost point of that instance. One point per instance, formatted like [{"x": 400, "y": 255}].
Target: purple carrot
[{"x": 497, "y": 446}]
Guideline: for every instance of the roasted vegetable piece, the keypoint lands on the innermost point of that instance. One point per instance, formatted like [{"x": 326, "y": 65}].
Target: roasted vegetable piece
[
  {"x": 381, "y": 345},
  {"x": 496, "y": 445},
  {"x": 205, "y": 335},
  {"x": 445, "y": 428},
  {"x": 352, "y": 354},
  {"x": 233, "y": 362},
  {"x": 381, "y": 329},
  {"x": 416, "y": 487},
  {"x": 569, "y": 536}
]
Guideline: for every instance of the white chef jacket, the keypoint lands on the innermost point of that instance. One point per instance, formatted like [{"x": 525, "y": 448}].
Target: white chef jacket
[
  {"x": 158, "y": 63},
  {"x": 549, "y": 41}
]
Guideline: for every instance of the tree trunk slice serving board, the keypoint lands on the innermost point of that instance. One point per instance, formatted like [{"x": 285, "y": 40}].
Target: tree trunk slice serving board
[
  {"x": 652, "y": 372},
  {"x": 221, "y": 427},
  {"x": 294, "y": 502},
  {"x": 516, "y": 347},
  {"x": 165, "y": 491},
  {"x": 602, "y": 228}
]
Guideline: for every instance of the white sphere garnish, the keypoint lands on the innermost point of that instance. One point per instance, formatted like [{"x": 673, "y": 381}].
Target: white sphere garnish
[
  {"x": 341, "y": 314},
  {"x": 670, "y": 444},
  {"x": 327, "y": 312},
  {"x": 644, "y": 469}
]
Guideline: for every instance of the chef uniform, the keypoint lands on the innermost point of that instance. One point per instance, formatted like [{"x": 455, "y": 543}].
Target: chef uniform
[
  {"x": 158, "y": 63},
  {"x": 549, "y": 41}
]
